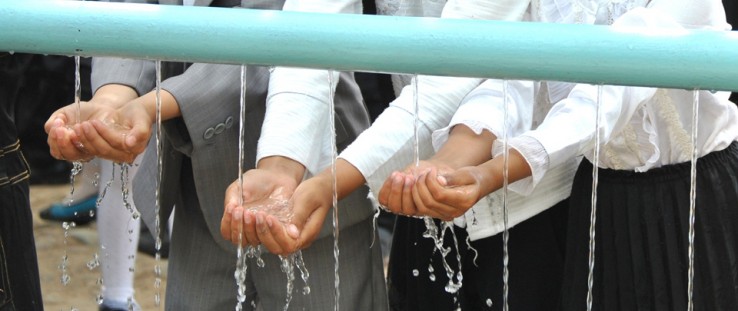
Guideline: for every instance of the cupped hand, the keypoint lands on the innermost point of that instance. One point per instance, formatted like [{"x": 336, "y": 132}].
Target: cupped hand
[
  {"x": 396, "y": 192},
  {"x": 450, "y": 194},
  {"x": 264, "y": 206},
  {"x": 64, "y": 142},
  {"x": 119, "y": 135},
  {"x": 311, "y": 202}
]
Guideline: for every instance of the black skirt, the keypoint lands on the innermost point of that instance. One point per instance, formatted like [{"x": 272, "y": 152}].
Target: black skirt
[
  {"x": 641, "y": 254},
  {"x": 536, "y": 262}
]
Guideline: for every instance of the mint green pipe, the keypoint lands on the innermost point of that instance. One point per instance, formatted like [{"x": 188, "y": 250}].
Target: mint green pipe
[{"x": 471, "y": 48}]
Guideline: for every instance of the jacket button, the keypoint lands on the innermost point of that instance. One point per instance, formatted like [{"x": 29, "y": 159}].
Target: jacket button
[
  {"x": 219, "y": 128},
  {"x": 229, "y": 122},
  {"x": 209, "y": 133}
]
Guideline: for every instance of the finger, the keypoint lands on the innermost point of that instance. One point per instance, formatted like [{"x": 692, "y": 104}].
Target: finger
[
  {"x": 456, "y": 179},
  {"x": 98, "y": 145},
  {"x": 56, "y": 120},
  {"x": 265, "y": 234},
  {"x": 426, "y": 203},
  {"x": 384, "y": 192},
  {"x": 225, "y": 222},
  {"x": 249, "y": 228},
  {"x": 408, "y": 206},
  {"x": 65, "y": 145},
  {"x": 279, "y": 233},
  {"x": 394, "y": 201},
  {"x": 459, "y": 198},
  {"x": 312, "y": 227}
]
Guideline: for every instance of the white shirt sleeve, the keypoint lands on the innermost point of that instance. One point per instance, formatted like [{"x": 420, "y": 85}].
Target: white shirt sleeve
[
  {"x": 484, "y": 109},
  {"x": 388, "y": 144},
  {"x": 296, "y": 122}
]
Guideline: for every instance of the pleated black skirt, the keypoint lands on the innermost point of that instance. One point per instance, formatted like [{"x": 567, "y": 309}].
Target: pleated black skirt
[
  {"x": 536, "y": 262},
  {"x": 641, "y": 256}
]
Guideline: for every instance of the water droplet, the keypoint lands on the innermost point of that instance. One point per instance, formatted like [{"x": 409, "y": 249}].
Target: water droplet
[
  {"x": 713, "y": 91},
  {"x": 92, "y": 213},
  {"x": 306, "y": 290},
  {"x": 135, "y": 215},
  {"x": 99, "y": 299},
  {"x": 11, "y": 52},
  {"x": 489, "y": 302},
  {"x": 65, "y": 279},
  {"x": 432, "y": 277},
  {"x": 416, "y": 272},
  {"x": 430, "y": 268}
]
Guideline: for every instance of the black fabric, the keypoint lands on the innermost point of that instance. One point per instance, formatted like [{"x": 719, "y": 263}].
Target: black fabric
[
  {"x": 19, "y": 278},
  {"x": 31, "y": 88},
  {"x": 642, "y": 237},
  {"x": 536, "y": 262},
  {"x": 20, "y": 288}
]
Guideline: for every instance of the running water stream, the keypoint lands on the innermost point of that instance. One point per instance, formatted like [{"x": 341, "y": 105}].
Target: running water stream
[
  {"x": 505, "y": 167},
  {"x": 334, "y": 154},
  {"x": 692, "y": 198},
  {"x": 157, "y": 192},
  {"x": 593, "y": 215}
]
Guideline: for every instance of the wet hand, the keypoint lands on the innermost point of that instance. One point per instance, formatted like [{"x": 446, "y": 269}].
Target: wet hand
[
  {"x": 64, "y": 142},
  {"x": 448, "y": 195},
  {"x": 311, "y": 202},
  {"x": 264, "y": 203},
  {"x": 120, "y": 136},
  {"x": 396, "y": 192}
]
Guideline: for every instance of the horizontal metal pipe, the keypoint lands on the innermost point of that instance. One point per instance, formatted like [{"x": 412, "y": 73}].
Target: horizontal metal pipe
[{"x": 470, "y": 48}]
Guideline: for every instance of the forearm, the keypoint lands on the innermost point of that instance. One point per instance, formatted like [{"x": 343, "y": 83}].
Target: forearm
[
  {"x": 465, "y": 148},
  {"x": 492, "y": 171},
  {"x": 348, "y": 178},
  {"x": 169, "y": 105}
]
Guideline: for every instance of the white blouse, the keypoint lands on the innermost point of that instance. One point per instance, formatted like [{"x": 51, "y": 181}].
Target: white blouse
[
  {"x": 387, "y": 145},
  {"x": 483, "y": 109},
  {"x": 640, "y": 128}
]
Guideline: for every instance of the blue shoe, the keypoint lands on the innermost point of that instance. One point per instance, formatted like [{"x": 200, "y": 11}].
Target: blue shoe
[{"x": 80, "y": 212}]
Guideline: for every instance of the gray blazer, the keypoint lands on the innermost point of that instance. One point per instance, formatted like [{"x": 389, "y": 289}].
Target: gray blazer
[{"x": 207, "y": 132}]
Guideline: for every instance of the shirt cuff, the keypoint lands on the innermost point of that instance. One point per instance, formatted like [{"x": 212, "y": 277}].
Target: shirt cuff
[{"x": 536, "y": 157}]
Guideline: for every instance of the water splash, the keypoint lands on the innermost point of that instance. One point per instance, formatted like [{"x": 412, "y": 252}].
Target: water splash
[
  {"x": 471, "y": 248},
  {"x": 94, "y": 262},
  {"x": 65, "y": 278},
  {"x": 334, "y": 154},
  {"x": 593, "y": 215},
  {"x": 692, "y": 198},
  {"x": 287, "y": 266},
  {"x": 304, "y": 274},
  {"x": 125, "y": 192}
]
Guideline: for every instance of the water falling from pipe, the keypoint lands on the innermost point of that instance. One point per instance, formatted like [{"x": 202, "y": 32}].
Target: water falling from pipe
[
  {"x": 505, "y": 168},
  {"x": 692, "y": 198},
  {"x": 334, "y": 154},
  {"x": 157, "y": 193},
  {"x": 593, "y": 215}
]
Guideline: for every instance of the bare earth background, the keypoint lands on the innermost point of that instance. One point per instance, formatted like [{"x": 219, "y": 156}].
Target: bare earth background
[{"x": 82, "y": 245}]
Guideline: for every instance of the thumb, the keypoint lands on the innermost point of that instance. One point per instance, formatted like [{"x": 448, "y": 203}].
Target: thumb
[{"x": 456, "y": 179}]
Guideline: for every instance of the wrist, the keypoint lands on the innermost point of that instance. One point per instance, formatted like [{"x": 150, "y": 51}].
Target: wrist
[
  {"x": 114, "y": 95},
  {"x": 283, "y": 165}
]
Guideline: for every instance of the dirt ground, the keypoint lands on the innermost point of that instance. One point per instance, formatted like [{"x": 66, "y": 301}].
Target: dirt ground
[{"x": 82, "y": 291}]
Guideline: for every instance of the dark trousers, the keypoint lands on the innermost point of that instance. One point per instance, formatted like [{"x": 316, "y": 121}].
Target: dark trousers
[{"x": 20, "y": 288}]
